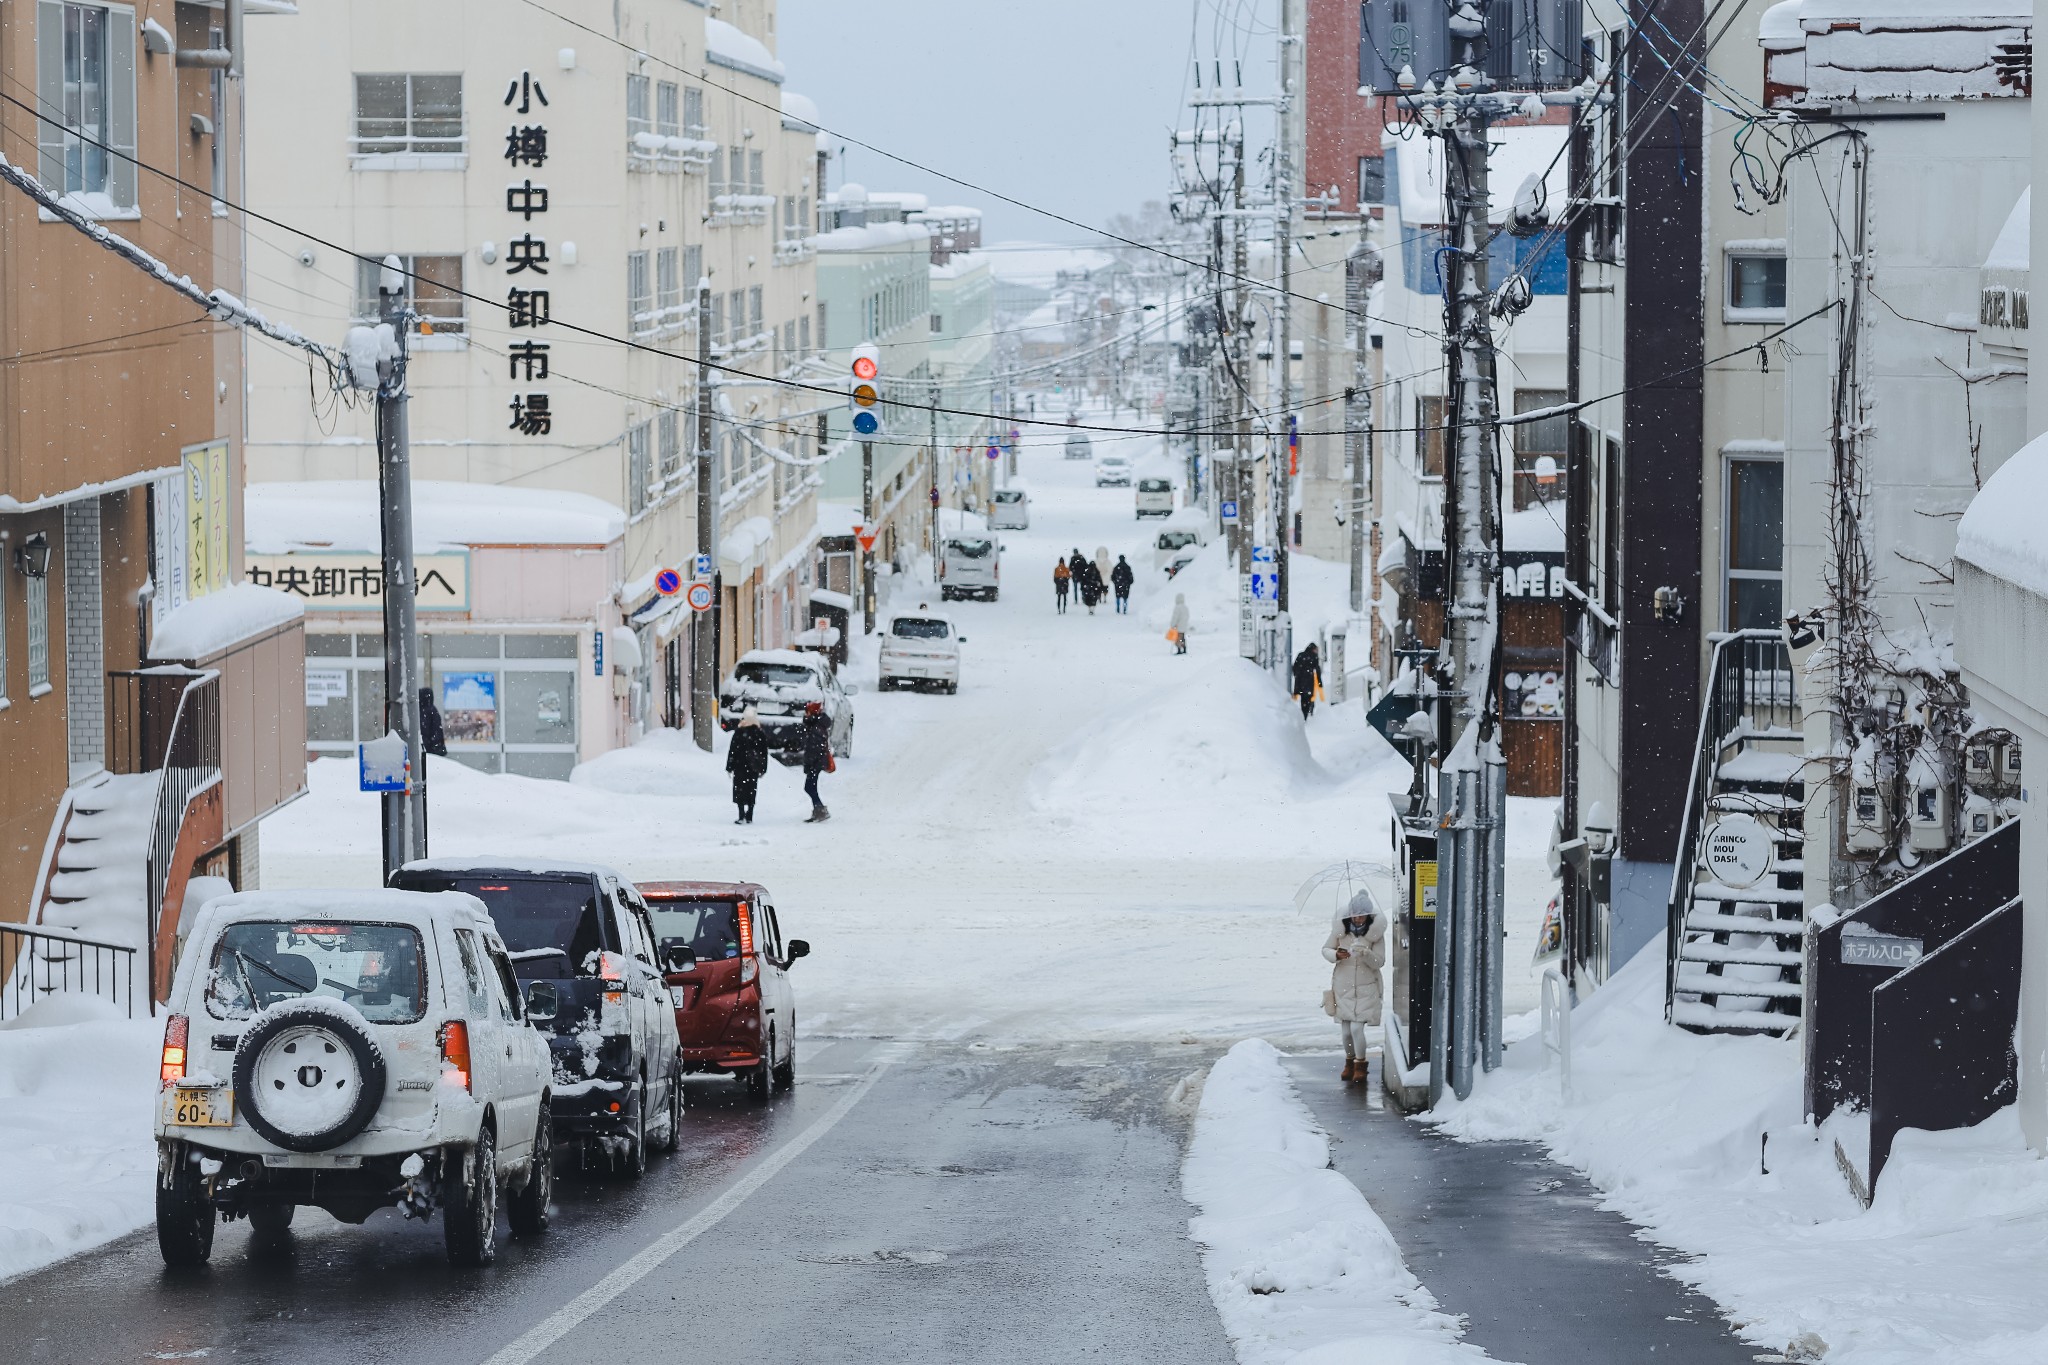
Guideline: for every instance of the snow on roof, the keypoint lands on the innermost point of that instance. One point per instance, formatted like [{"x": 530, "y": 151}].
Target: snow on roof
[
  {"x": 837, "y": 518},
  {"x": 792, "y": 657},
  {"x": 342, "y": 514},
  {"x": 1780, "y": 25},
  {"x": 909, "y": 203},
  {"x": 745, "y": 539},
  {"x": 1819, "y": 15},
  {"x": 728, "y": 46},
  {"x": 2010, "y": 251},
  {"x": 1039, "y": 263},
  {"x": 2003, "y": 532},
  {"x": 962, "y": 264},
  {"x": 874, "y": 237},
  {"x": 344, "y": 903},
  {"x": 1537, "y": 528},
  {"x": 210, "y": 625},
  {"x": 1517, "y": 154},
  {"x": 799, "y": 112},
  {"x": 950, "y": 211},
  {"x": 529, "y": 866}
]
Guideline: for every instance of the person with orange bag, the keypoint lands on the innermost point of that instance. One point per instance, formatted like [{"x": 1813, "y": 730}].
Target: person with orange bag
[
  {"x": 1062, "y": 581},
  {"x": 1177, "y": 627},
  {"x": 1308, "y": 679}
]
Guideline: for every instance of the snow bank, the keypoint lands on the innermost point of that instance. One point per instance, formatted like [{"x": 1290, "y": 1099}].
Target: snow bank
[
  {"x": 77, "y": 1162},
  {"x": 1673, "y": 1126},
  {"x": 210, "y": 625},
  {"x": 665, "y": 763},
  {"x": 1300, "y": 1267}
]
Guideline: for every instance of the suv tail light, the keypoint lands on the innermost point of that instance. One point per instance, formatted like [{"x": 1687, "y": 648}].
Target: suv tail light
[
  {"x": 177, "y": 1032},
  {"x": 455, "y": 1048}
]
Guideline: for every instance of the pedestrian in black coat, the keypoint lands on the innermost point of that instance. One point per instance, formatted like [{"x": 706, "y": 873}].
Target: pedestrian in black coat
[
  {"x": 1121, "y": 578},
  {"x": 816, "y": 739},
  {"x": 747, "y": 760},
  {"x": 1077, "y": 569},
  {"x": 1091, "y": 585},
  {"x": 1308, "y": 677}
]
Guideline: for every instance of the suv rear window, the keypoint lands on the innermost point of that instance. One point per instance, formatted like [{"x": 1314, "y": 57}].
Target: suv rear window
[
  {"x": 535, "y": 913},
  {"x": 1176, "y": 540},
  {"x": 1009, "y": 495},
  {"x": 1154, "y": 486},
  {"x": 374, "y": 967},
  {"x": 775, "y": 675},
  {"x": 710, "y": 929},
  {"x": 909, "y": 628},
  {"x": 972, "y": 549}
]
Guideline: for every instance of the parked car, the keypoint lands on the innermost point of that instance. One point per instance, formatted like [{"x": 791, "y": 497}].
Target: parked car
[
  {"x": 1079, "y": 447},
  {"x": 778, "y": 684},
  {"x": 1155, "y": 498},
  {"x": 970, "y": 566},
  {"x": 581, "y": 942},
  {"x": 352, "y": 1051},
  {"x": 733, "y": 1004},
  {"x": 921, "y": 650},
  {"x": 1113, "y": 471},
  {"x": 1183, "y": 536},
  {"x": 1009, "y": 509}
]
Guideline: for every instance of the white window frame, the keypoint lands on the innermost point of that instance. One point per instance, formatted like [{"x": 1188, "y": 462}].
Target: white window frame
[
  {"x": 639, "y": 468},
  {"x": 1729, "y": 573},
  {"x": 641, "y": 320},
  {"x": 1731, "y": 252},
  {"x": 450, "y": 333},
  {"x": 668, "y": 288},
  {"x": 56, "y": 140},
  {"x": 418, "y": 153},
  {"x": 36, "y": 599}
]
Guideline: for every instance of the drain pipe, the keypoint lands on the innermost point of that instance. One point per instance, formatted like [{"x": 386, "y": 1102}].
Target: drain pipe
[{"x": 229, "y": 58}]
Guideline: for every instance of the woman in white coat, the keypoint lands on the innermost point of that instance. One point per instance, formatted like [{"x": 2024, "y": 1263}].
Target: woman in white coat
[
  {"x": 1358, "y": 946},
  {"x": 1177, "y": 627}
]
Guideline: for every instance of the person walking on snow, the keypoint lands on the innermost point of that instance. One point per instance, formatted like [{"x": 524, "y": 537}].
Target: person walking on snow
[
  {"x": 1358, "y": 946},
  {"x": 747, "y": 760},
  {"x": 1178, "y": 626},
  {"x": 1121, "y": 579},
  {"x": 1077, "y": 567},
  {"x": 1062, "y": 580},
  {"x": 1102, "y": 568},
  {"x": 1308, "y": 678},
  {"x": 816, "y": 739},
  {"x": 1091, "y": 586}
]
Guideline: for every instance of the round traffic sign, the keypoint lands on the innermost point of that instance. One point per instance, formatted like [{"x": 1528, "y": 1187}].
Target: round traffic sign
[
  {"x": 995, "y": 452},
  {"x": 700, "y": 597},
  {"x": 668, "y": 582}
]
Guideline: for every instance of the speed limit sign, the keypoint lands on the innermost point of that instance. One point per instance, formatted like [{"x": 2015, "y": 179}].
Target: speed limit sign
[{"x": 700, "y": 597}]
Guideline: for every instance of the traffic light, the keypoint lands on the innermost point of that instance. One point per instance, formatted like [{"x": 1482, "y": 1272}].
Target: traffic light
[{"x": 866, "y": 392}]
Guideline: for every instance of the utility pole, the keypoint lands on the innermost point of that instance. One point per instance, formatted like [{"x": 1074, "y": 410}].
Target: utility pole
[
  {"x": 1282, "y": 481},
  {"x": 867, "y": 524},
  {"x": 1472, "y": 788},
  {"x": 1362, "y": 270},
  {"x": 405, "y": 813},
  {"x": 933, "y": 410},
  {"x": 1241, "y": 478},
  {"x": 703, "y": 639}
]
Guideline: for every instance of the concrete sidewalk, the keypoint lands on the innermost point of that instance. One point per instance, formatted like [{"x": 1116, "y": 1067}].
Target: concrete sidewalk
[{"x": 1513, "y": 1242}]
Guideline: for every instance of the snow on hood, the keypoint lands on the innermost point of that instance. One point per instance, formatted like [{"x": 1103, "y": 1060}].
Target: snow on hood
[
  {"x": 2003, "y": 533},
  {"x": 211, "y": 625}
]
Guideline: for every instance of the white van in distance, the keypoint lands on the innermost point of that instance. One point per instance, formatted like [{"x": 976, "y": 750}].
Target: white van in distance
[{"x": 969, "y": 566}]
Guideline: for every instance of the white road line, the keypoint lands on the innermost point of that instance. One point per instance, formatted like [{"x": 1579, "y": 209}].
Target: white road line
[{"x": 559, "y": 1323}]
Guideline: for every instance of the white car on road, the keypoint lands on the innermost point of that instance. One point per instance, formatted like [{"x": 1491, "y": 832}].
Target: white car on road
[
  {"x": 970, "y": 566},
  {"x": 1113, "y": 471},
  {"x": 1155, "y": 498},
  {"x": 919, "y": 650},
  {"x": 351, "y": 1050},
  {"x": 1009, "y": 509}
]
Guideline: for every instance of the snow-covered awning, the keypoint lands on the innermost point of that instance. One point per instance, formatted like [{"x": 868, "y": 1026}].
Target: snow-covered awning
[
  {"x": 208, "y": 626},
  {"x": 728, "y": 47},
  {"x": 344, "y": 514},
  {"x": 2003, "y": 533}
]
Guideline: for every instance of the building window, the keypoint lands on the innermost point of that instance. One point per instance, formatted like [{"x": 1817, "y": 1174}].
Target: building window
[
  {"x": 639, "y": 472},
  {"x": 1756, "y": 286},
  {"x": 754, "y": 323},
  {"x": 408, "y": 113},
  {"x": 736, "y": 176},
  {"x": 639, "y": 295},
  {"x": 693, "y": 113},
  {"x": 1756, "y": 544},
  {"x": 938, "y": 324},
  {"x": 668, "y": 287},
  {"x": 433, "y": 292},
  {"x": 1372, "y": 180},
  {"x": 639, "y": 114},
  {"x": 37, "y": 596},
  {"x": 803, "y": 335},
  {"x": 1542, "y": 449},
  {"x": 717, "y": 337},
  {"x": 757, "y": 179},
  {"x": 1429, "y": 435},
  {"x": 668, "y": 429},
  {"x": 666, "y": 121},
  {"x": 85, "y": 77}
]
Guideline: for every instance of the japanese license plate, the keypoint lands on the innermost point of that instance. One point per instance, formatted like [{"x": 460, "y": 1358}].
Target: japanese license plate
[{"x": 202, "y": 1108}]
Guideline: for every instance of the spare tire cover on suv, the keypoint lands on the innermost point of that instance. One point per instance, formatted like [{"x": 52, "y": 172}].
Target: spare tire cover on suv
[{"x": 308, "y": 1078}]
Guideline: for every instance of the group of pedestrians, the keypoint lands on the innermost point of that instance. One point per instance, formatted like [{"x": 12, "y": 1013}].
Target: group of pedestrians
[
  {"x": 747, "y": 760},
  {"x": 1091, "y": 580}
]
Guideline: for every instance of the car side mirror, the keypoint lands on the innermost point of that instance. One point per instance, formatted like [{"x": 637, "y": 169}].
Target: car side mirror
[
  {"x": 959, "y": 639},
  {"x": 679, "y": 957},
  {"x": 543, "y": 1001},
  {"x": 797, "y": 948}
]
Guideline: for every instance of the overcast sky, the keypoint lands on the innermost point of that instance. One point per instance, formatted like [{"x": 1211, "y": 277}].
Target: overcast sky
[{"x": 1065, "y": 104}]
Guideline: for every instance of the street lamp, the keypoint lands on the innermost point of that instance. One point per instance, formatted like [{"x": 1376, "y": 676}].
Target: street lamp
[{"x": 33, "y": 558}]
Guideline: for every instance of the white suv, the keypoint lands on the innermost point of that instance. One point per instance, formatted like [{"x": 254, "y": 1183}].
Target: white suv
[
  {"x": 921, "y": 650},
  {"x": 350, "y": 1050}
]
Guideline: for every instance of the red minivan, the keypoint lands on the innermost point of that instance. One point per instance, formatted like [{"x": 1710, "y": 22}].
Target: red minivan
[{"x": 734, "y": 1007}]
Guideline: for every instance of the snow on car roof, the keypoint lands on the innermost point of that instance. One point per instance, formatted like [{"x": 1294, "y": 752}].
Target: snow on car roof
[
  {"x": 792, "y": 657},
  {"x": 334, "y": 903},
  {"x": 505, "y": 864}
]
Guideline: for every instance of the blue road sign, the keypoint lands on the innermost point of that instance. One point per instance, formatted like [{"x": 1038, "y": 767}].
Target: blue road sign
[
  {"x": 995, "y": 452},
  {"x": 703, "y": 566},
  {"x": 1227, "y": 510},
  {"x": 668, "y": 582}
]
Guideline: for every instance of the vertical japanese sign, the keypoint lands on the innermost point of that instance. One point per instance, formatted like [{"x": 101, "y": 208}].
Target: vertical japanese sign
[
  {"x": 192, "y": 530},
  {"x": 528, "y": 302}
]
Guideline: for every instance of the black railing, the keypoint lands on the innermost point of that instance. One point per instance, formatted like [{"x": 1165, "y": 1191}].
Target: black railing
[
  {"x": 1750, "y": 696},
  {"x": 165, "y": 720},
  {"x": 36, "y": 963}
]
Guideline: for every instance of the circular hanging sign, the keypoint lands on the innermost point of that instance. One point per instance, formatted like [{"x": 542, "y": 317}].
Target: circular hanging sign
[
  {"x": 1740, "y": 850},
  {"x": 668, "y": 582},
  {"x": 700, "y": 597}
]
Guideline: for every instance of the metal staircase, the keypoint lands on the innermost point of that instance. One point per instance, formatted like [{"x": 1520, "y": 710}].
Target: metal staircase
[{"x": 1737, "y": 911}]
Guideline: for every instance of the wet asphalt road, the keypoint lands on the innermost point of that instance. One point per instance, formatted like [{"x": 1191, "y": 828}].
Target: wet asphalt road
[{"x": 902, "y": 1204}]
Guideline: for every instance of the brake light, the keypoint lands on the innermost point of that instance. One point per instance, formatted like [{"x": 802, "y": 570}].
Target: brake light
[
  {"x": 455, "y": 1048},
  {"x": 610, "y": 967},
  {"x": 746, "y": 914},
  {"x": 177, "y": 1032}
]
